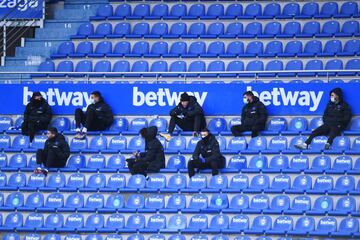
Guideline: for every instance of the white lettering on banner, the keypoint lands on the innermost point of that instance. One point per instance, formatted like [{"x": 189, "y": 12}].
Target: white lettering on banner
[
  {"x": 55, "y": 97},
  {"x": 163, "y": 97},
  {"x": 278, "y": 96}
]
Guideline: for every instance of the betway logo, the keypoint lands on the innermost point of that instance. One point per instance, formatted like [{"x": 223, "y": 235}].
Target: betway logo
[
  {"x": 163, "y": 97},
  {"x": 55, "y": 97},
  {"x": 278, "y": 96}
]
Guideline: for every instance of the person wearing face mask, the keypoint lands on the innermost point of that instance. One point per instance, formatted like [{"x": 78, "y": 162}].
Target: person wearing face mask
[
  {"x": 188, "y": 115},
  {"x": 207, "y": 155},
  {"x": 336, "y": 117},
  {"x": 98, "y": 116},
  {"x": 37, "y": 116},
  {"x": 253, "y": 116},
  {"x": 153, "y": 159},
  {"x": 55, "y": 153}
]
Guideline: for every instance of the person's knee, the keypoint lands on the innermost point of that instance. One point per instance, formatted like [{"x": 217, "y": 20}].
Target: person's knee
[
  {"x": 191, "y": 164},
  {"x": 78, "y": 111}
]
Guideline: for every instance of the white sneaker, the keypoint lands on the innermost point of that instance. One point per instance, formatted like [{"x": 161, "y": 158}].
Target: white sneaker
[{"x": 302, "y": 146}]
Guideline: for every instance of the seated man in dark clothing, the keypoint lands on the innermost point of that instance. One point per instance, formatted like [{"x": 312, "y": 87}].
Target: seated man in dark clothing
[
  {"x": 98, "y": 116},
  {"x": 55, "y": 153},
  {"x": 188, "y": 115},
  {"x": 336, "y": 117},
  {"x": 153, "y": 159},
  {"x": 37, "y": 116},
  {"x": 207, "y": 155},
  {"x": 253, "y": 116}
]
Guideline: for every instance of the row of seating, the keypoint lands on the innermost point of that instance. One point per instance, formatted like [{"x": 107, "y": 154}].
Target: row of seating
[
  {"x": 218, "y": 29},
  {"x": 51, "y": 236},
  {"x": 214, "y": 49},
  {"x": 275, "y": 125},
  {"x": 157, "y": 223},
  {"x": 178, "y": 163},
  {"x": 217, "y": 11},
  {"x": 178, "y": 183},
  {"x": 240, "y": 203},
  {"x": 123, "y": 66},
  {"x": 120, "y": 144}
]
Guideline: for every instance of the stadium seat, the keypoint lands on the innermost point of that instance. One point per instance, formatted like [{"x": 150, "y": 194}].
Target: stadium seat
[
  {"x": 159, "y": 11},
  {"x": 121, "y": 29},
  {"x": 233, "y": 30},
  {"x": 291, "y": 10},
  {"x": 64, "y": 50},
  {"x": 304, "y": 225},
  {"x": 253, "y": 10},
  {"x": 309, "y": 10},
  {"x": 74, "y": 201},
  {"x": 348, "y": 226},
  {"x": 176, "y": 162},
  {"x": 103, "y": 12},
  {"x": 260, "y": 224}
]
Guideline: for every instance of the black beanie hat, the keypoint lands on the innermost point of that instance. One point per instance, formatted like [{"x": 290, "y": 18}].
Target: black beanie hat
[
  {"x": 36, "y": 94},
  {"x": 184, "y": 97}
]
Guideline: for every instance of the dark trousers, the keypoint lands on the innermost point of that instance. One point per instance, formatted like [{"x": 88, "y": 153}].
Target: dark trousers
[
  {"x": 237, "y": 130},
  {"x": 323, "y": 130},
  {"x": 89, "y": 120},
  {"x": 198, "y": 164},
  {"x": 137, "y": 167},
  {"x": 50, "y": 159},
  {"x": 30, "y": 127},
  {"x": 193, "y": 124}
]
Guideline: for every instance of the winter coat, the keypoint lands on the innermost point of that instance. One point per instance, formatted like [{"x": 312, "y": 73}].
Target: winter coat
[
  {"x": 254, "y": 113},
  {"x": 339, "y": 113}
]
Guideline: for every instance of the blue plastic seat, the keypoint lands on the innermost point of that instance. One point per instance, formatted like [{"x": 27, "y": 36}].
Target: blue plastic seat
[
  {"x": 255, "y": 65},
  {"x": 322, "y": 205},
  {"x": 117, "y": 180},
  {"x": 136, "y": 221},
  {"x": 75, "y": 181},
  {"x": 215, "y": 29},
  {"x": 261, "y": 224},
  {"x": 332, "y": 48},
  {"x": 155, "y": 223},
  {"x": 259, "y": 182},
  {"x": 94, "y": 201},
  {"x": 272, "y": 29},
  {"x": 177, "y": 144},
  {"x": 312, "y": 48},
  {"x": 348, "y": 226},
  {"x": 215, "y": 66},
  {"x": 198, "y": 202},
  {"x": 102, "y": 66},
  {"x": 115, "y": 221},
  {"x": 78, "y": 144},
  {"x": 298, "y": 124},
  {"x": 321, "y": 163},
  {"x": 279, "y": 162},
  {"x": 64, "y": 50},
  {"x": 273, "y": 48},
  {"x": 13, "y": 220},
  {"x": 76, "y": 161},
  {"x": 310, "y": 9},
  {"x": 158, "y": 30},
  {"x": 291, "y": 29},
  {"x": 102, "y": 30},
  {"x": 330, "y": 29},
  {"x": 178, "y": 49},
  {"x": 253, "y": 29},
  {"x": 218, "y": 222},
  {"x": 176, "y": 202},
  {"x": 14, "y": 200},
  {"x": 279, "y": 204},
  {"x": 271, "y": 10},
  {"x": 85, "y": 30},
  {"x": 300, "y": 204},
  {"x": 83, "y": 49},
  {"x": 282, "y": 225},
  {"x": 177, "y": 222},
  {"x": 94, "y": 222},
  {"x": 137, "y": 124},
  {"x": 259, "y": 202},
  {"x": 329, "y": 9},
  {"x": 74, "y": 201},
  {"x": 136, "y": 182},
  {"x": 234, "y": 49},
  {"x": 234, "y": 10},
  {"x": 54, "y": 201},
  {"x": 74, "y": 221},
  {"x": 104, "y": 11},
  {"x": 278, "y": 143},
  {"x": 139, "y": 49},
  {"x": 291, "y": 10},
  {"x": 234, "y": 29},
  {"x": 160, "y": 48},
  {"x": 56, "y": 180},
  {"x": 351, "y": 48},
  {"x": 34, "y": 200},
  {"x": 156, "y": 181},
  {"x": 102, "y": 49},
  {"x": 254, "y": 48},
  {"x": 160, "y": 11},
  {"x": 176, "y": 162},
  {"x": 122, "y": 11},
  {"x": 326, "y": 225},
  {"x": 121, "y": 66},
  {"x": 17, "y": 180},
  {"x": 36, "y": 181},
  {"x": 302, "y": 183},
  {"x": 215, "y": 11},
  {"x": 140, "y": 11},
  {"x": 198, "y": 222},
  {"x": 349, "y": 9},
  {"x": 197, "y": 29},
  {"x": 178, "y": 11},
  {"x": 350, "y": 28},
  {"x": 239, "y": 223},
  {"x": 344, "y": 184},
  {"x": 257, "y": 144},
  {"x": 54, "y": 221},
  {"x": 196, "y": 11},
  {"x": 83, "y": 66},
  {"x": 253, "y": 10},
  {"x": 11, "y": 236},
  {"x": 121, "y": 29},
  {"x": 61, "y": 123},
  {"x": 178, "y": 29},
  {"x": 5, "y": 143},
  {"x": 310, "y": 29},
  {"x": 304, "y": 225}
]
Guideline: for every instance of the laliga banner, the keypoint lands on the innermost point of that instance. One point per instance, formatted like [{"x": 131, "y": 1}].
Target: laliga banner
[
  {"x": 21, "y": 9},
  {"x": 158, "y": 99}
]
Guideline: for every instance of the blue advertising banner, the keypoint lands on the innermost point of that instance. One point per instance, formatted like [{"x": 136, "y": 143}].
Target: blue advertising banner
[
  {"x": 158, "y": 99},
  {"x": 21, "y": 9}
]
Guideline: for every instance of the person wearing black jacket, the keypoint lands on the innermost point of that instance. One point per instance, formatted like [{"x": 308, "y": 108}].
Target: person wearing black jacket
[
  {"x": 55, "y": 153},
  {"x": 188, "y": 115},
  {"x": 336, "y": 117},
  {"x": 253, "y": 116},
  {"x": 37, "y": 116},
  {"x": 207, "y": 155},
  {"x": 153, "y": 159},
  {"x": 98, "y": 116}
]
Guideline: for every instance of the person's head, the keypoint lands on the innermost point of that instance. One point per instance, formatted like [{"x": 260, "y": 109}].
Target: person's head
[
  {"x": 204, "y": 133},
  {"x": 248, "y": 97},
  {"x": 143, "y": 133},
  {"x": 184, "y": 99},
  {"x": 336, "y": 95},
  {"x": 51, "y": 132},
  {"x": 95, "y": 96},
  {"x": 37, "y": 96}
]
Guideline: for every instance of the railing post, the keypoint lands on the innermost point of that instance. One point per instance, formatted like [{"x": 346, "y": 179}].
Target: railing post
[{"x": 4, "y": 46}]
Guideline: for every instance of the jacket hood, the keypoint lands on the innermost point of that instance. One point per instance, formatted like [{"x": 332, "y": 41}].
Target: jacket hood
[
  {"x": 151, "y": 132},
  {"x": 193, "y": 100},
  {"x": 58, "y": 137},
  {"x": 338, "y": 92}
]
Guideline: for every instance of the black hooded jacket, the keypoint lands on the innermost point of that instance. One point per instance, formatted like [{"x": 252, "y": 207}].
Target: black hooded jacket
[
  {"x": 59, "y": 145},
  {"x": 190, "y": 111},
  {"x": 209, "y": 149},
  {"x": 339, "y": 113},
  {"x": 102, "y": 110},
  {"x": 254, "y": 113},
  {"x": 38, "y": 110},
  {"x": 154, "y": 151}
]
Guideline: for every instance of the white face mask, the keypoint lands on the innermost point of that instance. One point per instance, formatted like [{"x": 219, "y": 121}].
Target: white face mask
[
  {"x": 203, "y": 136},
  {"x": 332, "y": 99},
  {"x": 92, "y": 101},
  {"x": 245, "y": 100}
]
